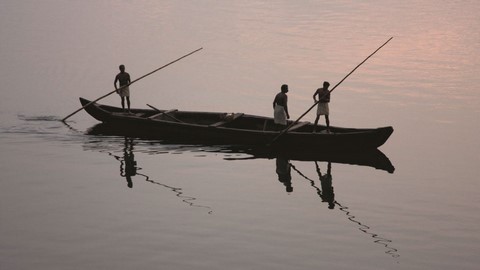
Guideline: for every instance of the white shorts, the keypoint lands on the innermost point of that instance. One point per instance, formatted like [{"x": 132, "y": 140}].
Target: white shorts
[
  {"x": 279, "y": 115},
  {"x": 322, "y": 109},
  {"x": 124, "y": 92}
]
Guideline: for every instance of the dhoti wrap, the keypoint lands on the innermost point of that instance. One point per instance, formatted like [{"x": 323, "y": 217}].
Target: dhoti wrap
[
  {"x": 322, "y": 109},
  {"x": 124, "y": 92},
  {"x": 279, "y": 115}
]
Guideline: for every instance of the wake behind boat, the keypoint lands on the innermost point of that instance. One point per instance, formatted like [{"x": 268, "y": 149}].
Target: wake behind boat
[{"x": 234, "y": 129}]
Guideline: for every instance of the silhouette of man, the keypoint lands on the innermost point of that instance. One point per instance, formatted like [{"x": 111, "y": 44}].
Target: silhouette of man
[
  {"x": 280, "y": 107},
  {"x": 123, "y": 78},
  {"x": 322, "y": 106}
]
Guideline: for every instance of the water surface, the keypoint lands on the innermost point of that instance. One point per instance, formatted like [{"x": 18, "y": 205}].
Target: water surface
[{"x": 71, "y": 199}]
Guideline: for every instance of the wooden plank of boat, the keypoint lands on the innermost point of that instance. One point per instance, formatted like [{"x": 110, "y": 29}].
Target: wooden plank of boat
[
  {"x": 166, "y": 113},
  {"x": 228, "y": 119},
  {"x": 298, "y": 125}
]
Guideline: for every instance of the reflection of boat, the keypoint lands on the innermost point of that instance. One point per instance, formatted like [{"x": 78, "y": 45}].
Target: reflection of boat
[
  {"x": 371, "y": 158},
  {"x": 233, "y": 128},
  {"x": 104, "y": 140}
]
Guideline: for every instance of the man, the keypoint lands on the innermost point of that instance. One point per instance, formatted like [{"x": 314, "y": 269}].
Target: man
[
  {"x": 123, "y": 90},
  {"x": 280, "y": 108},
  {"x": 322, "y": 107}
]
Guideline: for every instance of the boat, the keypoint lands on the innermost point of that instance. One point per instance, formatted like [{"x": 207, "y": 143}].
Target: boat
[{"x": 222, "y": 128}]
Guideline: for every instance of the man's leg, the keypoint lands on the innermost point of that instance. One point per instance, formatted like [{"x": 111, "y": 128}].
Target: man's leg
[
  {"x": 123, "y": 102},
  {"x": 316, "y": 122},
  {"x": 128, "y": 103},
  {"x": 327, "y": 120}
]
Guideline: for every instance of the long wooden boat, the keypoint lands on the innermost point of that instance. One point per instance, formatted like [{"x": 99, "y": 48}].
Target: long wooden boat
[{"x": 234, "y": 129}]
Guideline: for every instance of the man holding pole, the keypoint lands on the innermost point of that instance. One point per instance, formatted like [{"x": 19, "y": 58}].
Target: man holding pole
[
  {"x": 314, "y": 104},
  {"x": 124, "y": 81},
  {"x": 129, "y": 83},
  {"x": 322, "y": 107}
]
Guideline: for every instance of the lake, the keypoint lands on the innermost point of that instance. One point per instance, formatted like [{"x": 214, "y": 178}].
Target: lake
[{"x": 71, "y": 199}]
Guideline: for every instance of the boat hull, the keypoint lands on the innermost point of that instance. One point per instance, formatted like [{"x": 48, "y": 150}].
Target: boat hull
[{"x": 200, "y": 127}]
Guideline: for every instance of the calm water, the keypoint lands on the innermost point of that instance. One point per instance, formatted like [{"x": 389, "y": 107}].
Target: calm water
[{"x": 70, "y": 200}]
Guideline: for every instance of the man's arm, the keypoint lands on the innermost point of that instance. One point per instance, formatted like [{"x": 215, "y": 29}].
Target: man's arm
[
  {"x": 286, "y": 107},
  {"x": 115, "y": 82}
]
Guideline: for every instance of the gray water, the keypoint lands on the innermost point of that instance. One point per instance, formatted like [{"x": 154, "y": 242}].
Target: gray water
[{"x": 65, "y": 202}]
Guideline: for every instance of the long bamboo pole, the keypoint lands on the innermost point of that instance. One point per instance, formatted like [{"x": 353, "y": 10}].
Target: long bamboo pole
[{"x": 150, "y": 73}]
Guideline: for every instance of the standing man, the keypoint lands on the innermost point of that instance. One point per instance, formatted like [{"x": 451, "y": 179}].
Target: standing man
[
  {"x": 123, "y": 90},
  {"x": 322, "y": 107},
  {"x": 280, "y": 108}
]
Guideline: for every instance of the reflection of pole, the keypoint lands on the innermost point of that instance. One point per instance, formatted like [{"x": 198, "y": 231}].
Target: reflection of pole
[
  {"x": 178, "y": 192},
  {"x": 362, "y": 227}
]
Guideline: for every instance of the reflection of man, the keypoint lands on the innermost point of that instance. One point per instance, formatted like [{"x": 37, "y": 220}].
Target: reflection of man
[
  {"x": 327, "y": 188},
  {"x": 284, "y": 173},
  {"x": 128, "y": 166}
]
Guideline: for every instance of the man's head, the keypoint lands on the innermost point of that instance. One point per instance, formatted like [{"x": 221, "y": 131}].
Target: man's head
[
  {"x": 326, "y": 84},
  {"x": 284, "y": 88},
  {"x": 122, "y": 68}
]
